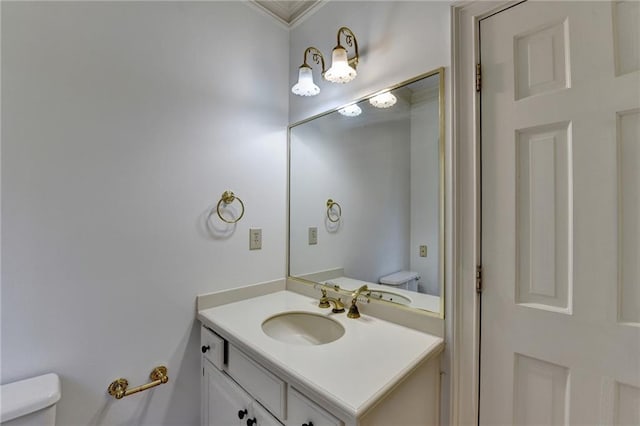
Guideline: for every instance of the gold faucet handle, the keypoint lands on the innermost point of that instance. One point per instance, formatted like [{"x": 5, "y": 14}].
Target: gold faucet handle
[
  {"x": 326, "y": 286},
  {"x": 353, "y": 310},
  {"x": 324, "y": 300},
  {"x": 362, "y": 298},
  {"x": 356, "y": 294}
]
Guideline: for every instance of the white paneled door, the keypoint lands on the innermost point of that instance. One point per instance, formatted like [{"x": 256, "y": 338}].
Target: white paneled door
[{"x": 560, "y": 113}]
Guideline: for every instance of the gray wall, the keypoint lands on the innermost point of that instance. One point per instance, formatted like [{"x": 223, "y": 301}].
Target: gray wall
[{"x": 122, "y": 123}]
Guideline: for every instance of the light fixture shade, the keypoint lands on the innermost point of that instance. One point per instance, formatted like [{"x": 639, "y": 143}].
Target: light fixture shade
[
  {"x": 340, "y": 71},
  {"x": 350, "y": 110},
  {"x": 383, "y": 100},
  {"x": 305, "y": 85}
]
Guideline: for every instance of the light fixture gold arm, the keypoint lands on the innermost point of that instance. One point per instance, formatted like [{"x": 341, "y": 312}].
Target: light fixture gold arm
[
  {"x": 351, "y": 41},
  {"x": 118, "y": 388},
  {"x": 317, "y": 57}
]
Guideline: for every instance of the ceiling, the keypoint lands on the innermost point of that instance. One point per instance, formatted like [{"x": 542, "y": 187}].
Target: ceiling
[{"x": 287, "y": 11}]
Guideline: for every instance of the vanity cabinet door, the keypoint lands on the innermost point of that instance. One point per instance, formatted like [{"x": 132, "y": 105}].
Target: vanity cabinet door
[
  {"x": 263, "y": 417},
  {"x": 224, "y": 403},
  {"x": 303, "y": 412},
  {"x": 258, "y": 381},
  {"x": 212, "y": 347}
]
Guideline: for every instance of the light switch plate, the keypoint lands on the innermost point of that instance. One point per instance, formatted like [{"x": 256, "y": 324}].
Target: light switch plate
[
  {"x": 313, "y": 235},
  {"x": 423, "y": 251},
  {"x": 255, "y": 238}
]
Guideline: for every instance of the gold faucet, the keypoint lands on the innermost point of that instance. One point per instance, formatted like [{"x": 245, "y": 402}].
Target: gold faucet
[
  {"x": 353, "y": 309},
  {"x": 338, "y": 306}
]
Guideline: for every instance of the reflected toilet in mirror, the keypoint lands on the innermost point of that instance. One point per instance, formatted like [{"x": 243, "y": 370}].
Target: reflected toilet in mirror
[
  {"x": 406, "y": 280},
  {"x": 384, "y": 166}
]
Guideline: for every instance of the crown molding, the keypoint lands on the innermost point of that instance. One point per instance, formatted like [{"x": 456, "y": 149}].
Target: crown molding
[{"x": 288, "y": 13}]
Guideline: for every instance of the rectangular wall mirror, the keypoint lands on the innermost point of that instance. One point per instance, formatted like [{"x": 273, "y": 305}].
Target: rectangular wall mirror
[{"x": 366, "y": 196}]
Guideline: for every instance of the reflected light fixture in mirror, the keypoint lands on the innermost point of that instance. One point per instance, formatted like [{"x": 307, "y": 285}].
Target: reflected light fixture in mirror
[
  {"x": 305, "y": 85},
  {"x": 343, "y": 69},
  {"x": 383, "y": 100},
  {"x": 352, "y": 110}
]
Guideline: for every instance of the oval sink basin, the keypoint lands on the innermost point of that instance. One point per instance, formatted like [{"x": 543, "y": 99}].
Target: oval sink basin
[{"x": 303, "y": 328}]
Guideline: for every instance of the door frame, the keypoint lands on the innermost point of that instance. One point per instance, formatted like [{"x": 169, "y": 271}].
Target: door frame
[{"x": 464, "y": 322}]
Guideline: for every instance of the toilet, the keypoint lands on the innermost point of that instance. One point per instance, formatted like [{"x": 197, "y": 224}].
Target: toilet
[
  {"x": 30, "y": 402},
  {"x": 407, "y": 280}
]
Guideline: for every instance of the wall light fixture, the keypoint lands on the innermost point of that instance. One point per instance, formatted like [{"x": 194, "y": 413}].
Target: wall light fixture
[
  {"x": 305, "y": 85},
  {"x": 343, "y": 69}
]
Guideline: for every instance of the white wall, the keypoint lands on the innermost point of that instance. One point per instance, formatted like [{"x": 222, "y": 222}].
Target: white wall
[
  {"x": 398, "y": 40},
  {"x": 122, "y": 125}
]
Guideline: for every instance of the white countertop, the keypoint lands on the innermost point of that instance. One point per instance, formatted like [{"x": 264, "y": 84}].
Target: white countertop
[{"x": 351, "y": 373}]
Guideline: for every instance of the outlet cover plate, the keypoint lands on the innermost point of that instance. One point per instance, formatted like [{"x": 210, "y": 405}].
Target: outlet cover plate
[
  {"x": 313, "y": 236},
  {"x": 255, "y": 238}
]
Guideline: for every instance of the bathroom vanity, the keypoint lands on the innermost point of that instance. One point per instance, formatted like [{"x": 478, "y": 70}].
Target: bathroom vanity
[
  {"x": 321, "y": 368},
  {"x": 272, "y": 354}
]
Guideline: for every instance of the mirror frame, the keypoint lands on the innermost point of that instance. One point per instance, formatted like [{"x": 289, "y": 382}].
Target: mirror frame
[{"x": 441, "y": 197}]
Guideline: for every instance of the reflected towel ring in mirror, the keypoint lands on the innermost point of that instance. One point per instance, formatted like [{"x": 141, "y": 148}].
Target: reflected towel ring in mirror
[
  {"x": 227, "y": 198},
  {"x": 336, "y": 215}
]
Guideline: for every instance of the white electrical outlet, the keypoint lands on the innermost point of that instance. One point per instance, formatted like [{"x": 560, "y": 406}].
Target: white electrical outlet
[
  {"x": 255, "y": 238},
  {"x": 423, "y": 251},
  {"x": 313, "y": 235}
]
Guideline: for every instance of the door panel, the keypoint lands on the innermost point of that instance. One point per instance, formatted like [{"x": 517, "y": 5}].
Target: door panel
[
  {"x": 626, "y": 15},
  {"x": 543, "y": 222},
  {"x": 560, "y": 107},
  {"x": 629, "y": 204}
]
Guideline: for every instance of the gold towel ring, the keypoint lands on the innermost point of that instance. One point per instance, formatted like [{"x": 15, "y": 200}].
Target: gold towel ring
[
  {"x": 336, "y": 217},
  {"x": 229, "y": 197}
]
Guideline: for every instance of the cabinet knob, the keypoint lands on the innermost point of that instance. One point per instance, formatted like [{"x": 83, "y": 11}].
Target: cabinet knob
[
  {"x": 251, "y": 422},
  {"x": 242, "y": 413},
  {"x": 307, "y": 424},
  {"x": 205, "y": 348}
]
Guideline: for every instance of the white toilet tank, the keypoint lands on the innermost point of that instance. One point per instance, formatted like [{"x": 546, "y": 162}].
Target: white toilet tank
[
  {"x": 30, "y": 402},
  {"x": 407, "y": 280}
]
